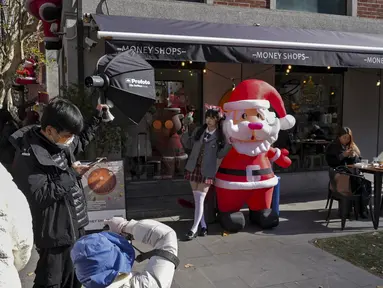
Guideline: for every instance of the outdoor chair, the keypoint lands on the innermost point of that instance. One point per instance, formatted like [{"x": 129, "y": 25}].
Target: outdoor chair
[{"x": 340, "y": 190}]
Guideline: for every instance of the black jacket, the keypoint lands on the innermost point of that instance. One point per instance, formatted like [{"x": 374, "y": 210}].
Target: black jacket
[
  {"x": 335, "y": 158},
  {"x": 7, "y": 151},
  {"x": 43, "y": 172}
]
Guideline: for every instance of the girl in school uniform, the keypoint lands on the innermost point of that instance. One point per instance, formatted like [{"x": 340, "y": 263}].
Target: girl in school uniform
[{"x": 207, "y": 145}]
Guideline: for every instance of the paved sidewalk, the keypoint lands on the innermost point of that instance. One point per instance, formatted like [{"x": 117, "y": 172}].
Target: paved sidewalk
[{"x": 282, "y": 258}]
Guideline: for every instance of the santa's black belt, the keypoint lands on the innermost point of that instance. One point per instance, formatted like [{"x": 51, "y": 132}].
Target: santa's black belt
[{"x": 236, "y": 172}]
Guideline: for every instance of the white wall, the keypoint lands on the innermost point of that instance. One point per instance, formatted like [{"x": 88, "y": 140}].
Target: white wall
[
  {"x": 70, "y": 70},
  {"x": 52, "y": 73},
  {"x": 360, "y": 109}
]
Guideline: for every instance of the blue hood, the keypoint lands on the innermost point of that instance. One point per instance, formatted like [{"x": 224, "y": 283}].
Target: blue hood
[{"x": 99, "y": 258}]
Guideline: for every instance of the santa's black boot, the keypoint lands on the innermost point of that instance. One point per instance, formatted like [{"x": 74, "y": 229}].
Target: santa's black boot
[
  {"x": 232, "y": 222},
  {"x": 266, "y": 219}
]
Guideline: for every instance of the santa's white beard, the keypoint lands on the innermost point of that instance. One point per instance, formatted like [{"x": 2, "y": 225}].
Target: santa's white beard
[
  {"x": 251, "y": 148},
  {"x": 240, "y": 135}
]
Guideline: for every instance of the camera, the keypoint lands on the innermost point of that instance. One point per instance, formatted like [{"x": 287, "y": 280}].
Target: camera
[
  {"x": 91, "y": 43},
  {"x": 99, "y": 81}
]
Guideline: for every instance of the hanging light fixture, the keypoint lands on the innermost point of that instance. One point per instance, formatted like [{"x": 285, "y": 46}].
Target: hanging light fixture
[
  {"x": 183, "y": 64},
  {"x": 204, "y": 70},
  {"x": 328, "y": 67},
  {"x": 289, "y": 67},
  {"x": 190, "y": 62},
  {"x": 378, "y": 83}
]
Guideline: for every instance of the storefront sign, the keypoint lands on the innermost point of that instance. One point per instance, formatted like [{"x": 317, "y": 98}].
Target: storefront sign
[
  {"x": 281, "y": 56},
  {"x": 104, "y": 189},
  {"x": 153, "y": 51},
  {"x": 215, "y": 53}
]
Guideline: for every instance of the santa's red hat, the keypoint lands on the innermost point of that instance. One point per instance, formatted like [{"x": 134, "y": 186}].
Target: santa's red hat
[{"x": 254, "y": 93}]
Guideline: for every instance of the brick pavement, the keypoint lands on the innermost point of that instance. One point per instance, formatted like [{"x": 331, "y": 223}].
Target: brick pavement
[{"x": 282, "y": 258}]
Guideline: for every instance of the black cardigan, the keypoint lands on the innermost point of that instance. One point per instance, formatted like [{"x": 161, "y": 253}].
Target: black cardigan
[{"x": 335, "y": 158}]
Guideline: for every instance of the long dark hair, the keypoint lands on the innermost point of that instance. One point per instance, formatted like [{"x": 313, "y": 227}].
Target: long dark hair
[
  {"x": 213, "y": 113},
  {"x": 346, "y": 130}
]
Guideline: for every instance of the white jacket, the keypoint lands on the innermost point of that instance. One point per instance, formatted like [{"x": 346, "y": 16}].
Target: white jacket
[
  {"x": 159, "y": 272},
  {"x": 16, "y": 235}
]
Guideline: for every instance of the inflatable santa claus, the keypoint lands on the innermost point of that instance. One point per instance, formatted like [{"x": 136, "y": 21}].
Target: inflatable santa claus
[
  {"x": 49, "y": 12},
  {"x": 27, "y": 75},
  {"x": 245, "y": 175}
]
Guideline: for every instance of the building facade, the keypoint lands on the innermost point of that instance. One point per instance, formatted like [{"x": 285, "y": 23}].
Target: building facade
[{"x": 323, "y": 96}]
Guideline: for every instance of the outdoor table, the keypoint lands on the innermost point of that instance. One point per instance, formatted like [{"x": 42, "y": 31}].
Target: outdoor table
[{"x": 377, "y": 172}]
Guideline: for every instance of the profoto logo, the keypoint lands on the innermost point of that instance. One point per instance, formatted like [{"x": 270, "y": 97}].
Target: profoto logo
[{"x": 137, "y": 83}]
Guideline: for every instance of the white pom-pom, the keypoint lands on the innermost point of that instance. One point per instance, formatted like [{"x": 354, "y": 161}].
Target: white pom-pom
[{"x": 287, "y": 122}]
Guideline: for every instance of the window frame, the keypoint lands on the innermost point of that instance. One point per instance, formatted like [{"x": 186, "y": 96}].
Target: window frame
[
  {"x": 318, "y": 71},
  {"x": 351, "y": 7}
]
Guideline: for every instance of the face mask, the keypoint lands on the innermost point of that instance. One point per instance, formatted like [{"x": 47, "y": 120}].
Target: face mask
[{"x": 66, "y": 144}]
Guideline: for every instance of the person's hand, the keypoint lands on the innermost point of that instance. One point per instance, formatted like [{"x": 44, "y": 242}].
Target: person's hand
[
  {"x": 347, "y": 153},
  {"x": 101, "y": 106},
  {"x": 80, "y": 169},
  {"x": 116, "y": 224},
  {"x": 104, "y": 113}
]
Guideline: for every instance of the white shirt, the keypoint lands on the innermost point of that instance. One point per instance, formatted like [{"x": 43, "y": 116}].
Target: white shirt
[
  {"x": 159, "y": 272},
  {"x": 210, "y": 132}
]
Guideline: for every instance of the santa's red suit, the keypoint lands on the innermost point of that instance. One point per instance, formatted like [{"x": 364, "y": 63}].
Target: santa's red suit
[
  {"x": 248, "y": 179},
  {"x": 49, "y": 12}
]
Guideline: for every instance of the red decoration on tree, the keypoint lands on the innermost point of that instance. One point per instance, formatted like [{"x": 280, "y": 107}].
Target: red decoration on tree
[
  {"x": 49, "y": 12},
  {"x": 27, "y": 75}
]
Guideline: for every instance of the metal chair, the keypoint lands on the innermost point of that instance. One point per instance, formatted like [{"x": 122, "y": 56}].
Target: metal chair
[
  {"x": 340, "y": 190},
  {"x": 328, "y": 195}
]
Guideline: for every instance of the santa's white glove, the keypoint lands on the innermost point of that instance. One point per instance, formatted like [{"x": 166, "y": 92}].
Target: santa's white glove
[
  {"x": 116, "y": 224},
  {"x": 104, "y": 113}
]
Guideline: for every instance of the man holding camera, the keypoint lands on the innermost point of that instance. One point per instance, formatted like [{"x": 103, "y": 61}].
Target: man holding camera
[{"x": 47, "y": 173}]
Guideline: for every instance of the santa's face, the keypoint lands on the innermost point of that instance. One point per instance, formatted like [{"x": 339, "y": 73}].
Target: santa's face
[{"x": 251, "y": 131}]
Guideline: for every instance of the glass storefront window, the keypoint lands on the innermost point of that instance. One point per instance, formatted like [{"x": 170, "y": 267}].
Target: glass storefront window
[
  {"x": 315, "y": 102},
  {"x": 338, "y": 7},
  {"x": 154, "y": 150}
]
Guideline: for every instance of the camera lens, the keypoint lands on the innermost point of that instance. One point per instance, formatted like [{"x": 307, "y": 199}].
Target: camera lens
[{"x": 94, "y": 81}]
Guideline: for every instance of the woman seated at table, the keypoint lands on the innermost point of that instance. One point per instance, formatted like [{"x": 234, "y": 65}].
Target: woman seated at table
[{"x": 342, "y": 152}]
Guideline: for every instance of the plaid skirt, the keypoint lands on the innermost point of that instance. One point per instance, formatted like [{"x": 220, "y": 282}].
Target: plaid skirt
[{"x": 197, "y": 177}]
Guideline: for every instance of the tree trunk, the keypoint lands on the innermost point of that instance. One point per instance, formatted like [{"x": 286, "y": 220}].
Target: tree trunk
[{"x": 20, "y": 29}]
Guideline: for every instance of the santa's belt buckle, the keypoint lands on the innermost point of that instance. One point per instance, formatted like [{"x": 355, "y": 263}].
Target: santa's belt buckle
[{"x": 250, "y": 177}]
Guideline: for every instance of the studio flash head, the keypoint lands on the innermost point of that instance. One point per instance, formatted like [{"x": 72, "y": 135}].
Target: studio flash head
[{"x": 97, "y": 81}]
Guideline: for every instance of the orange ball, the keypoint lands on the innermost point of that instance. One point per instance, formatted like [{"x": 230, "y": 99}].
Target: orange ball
[
  {"x": 169, "y": 124},
  {"x": 157, "y": 124}
]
